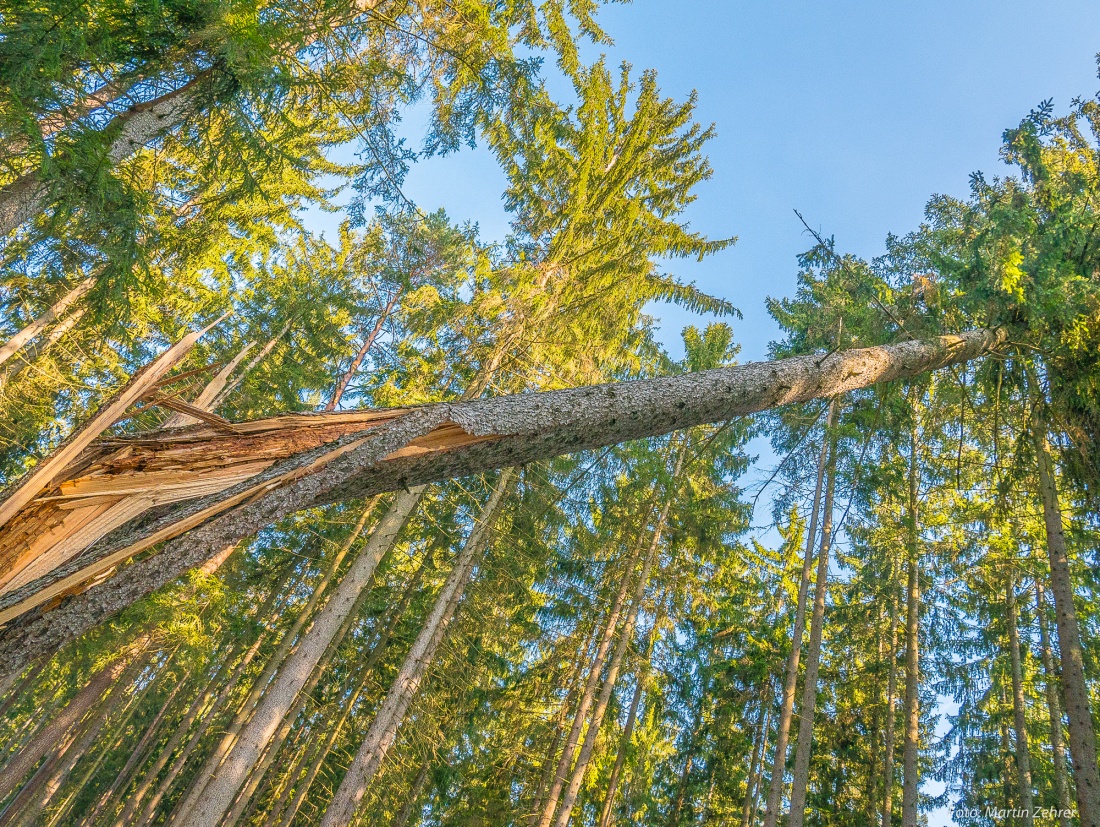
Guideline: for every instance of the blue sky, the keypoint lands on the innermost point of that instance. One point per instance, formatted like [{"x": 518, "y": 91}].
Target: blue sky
[{"x": 852, "y": 112}]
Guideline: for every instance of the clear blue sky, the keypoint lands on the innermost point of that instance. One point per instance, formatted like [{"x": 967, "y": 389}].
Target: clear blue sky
[{"x": 853, "y": 112}]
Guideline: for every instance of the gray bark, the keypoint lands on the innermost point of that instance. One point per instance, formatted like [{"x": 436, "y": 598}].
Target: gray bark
[
  {"x": 221, "y": 790},
  {"x": 1023, "y": 760},
  {"x": 514, "y": 430},
  {"x": 1082, "y": 737},
  {"x": 23, "y": 199},
  {"x": 813, "y": 658},
  {"x": 380, "y": 737},
  {"x": 1054, "y": 708},
  {"x": 790, "y": 685}
]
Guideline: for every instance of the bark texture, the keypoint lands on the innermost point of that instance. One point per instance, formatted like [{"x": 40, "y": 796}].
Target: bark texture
[
  {"x": 911, "y": 746},
  {"x": 1082, "y": 736},
  {"x": 487, "y": 434}
]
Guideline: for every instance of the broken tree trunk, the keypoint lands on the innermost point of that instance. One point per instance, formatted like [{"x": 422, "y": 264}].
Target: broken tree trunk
[{"x": 310, "y": 460}]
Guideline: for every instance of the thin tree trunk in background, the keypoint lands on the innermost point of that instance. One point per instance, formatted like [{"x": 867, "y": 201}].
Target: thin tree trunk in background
[
  {"x": 402, "y": 818},
  {"x": 349, "y": 374},
  {"x": 756, "y": 766},
  {"x": 15, "y": 692},
  {"x": 220, "y": 791},
  {"x": 911, "y": 746},
  {"x": 47, "y": 739},
  {"x": 550, "y": 804},
  {"x": 391, "y": 713},
  {"x": 63, "y": 757},
  {"x": 317, "y": 759},
  {"x": 252, "y": 363},
  {"x": 625, "y": 639},
  {"x": 786, "y": 709},
  {"x": 891, "y": 715},
  {"x": 1023, "y": 760},
  {"x": 13, "y": 345},
  {"x": 278, "y": 657},
  {"x": 138, "y": 755},
  {"x": 1054, "y": 708},
  {"x": 641, "y": 684},
  {"x": 1006, "y": 754},
  {"x": 1082, "y": 736},
  {"x": 689, "y": 765},
  {"x": 804, "y": 745},
  {"x": 30, "y": 354}
]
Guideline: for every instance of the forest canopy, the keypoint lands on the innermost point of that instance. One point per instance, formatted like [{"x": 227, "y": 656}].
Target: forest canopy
[{"x": 406, "y": 525}]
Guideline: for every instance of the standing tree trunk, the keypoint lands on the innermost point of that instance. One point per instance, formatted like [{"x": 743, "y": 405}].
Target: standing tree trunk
[
  {"x": 640, "y": 686},
  {"x": 349, "y": 374},
  {"x": 756, "y": 763},
  {"x": 317, "y": 758},
  {"x": 786, "y": 709},
  {"x": 12, "y": 346},
  {"x": 550, "y": 803},
  {"x": 391, "y": 713},
  {"x": 911, "y": 746},
  {"x": 276, "y": 660},
  {"x": 625, "y": 639},
  {"x": 221, "y": 790},
  {"x": 55, "y": 731},
  {"x": 1023, "y": 760},
  {"x": 813, "y": 656},
  {"x": 1054, "y": 708},
  {"x": 1082, "y": 737},
  {"x": 891, "y": 715}
]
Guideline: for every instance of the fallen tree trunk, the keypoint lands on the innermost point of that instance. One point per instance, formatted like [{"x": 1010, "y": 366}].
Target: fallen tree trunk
[{"x": 317, "y": 459}]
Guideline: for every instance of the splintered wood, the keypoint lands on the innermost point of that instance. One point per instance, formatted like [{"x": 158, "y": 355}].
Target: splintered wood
[{"x": 114, "y": 481}]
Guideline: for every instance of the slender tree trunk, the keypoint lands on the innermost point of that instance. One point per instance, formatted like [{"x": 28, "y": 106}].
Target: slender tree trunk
[
  {"x": 1023, "y": 760},
  {"x": 54, "y": 733},
  {"x": 402, "y": 818},
  {"x": 137, "y": 755},
  {"x": 317, "y": 759},
  {"x": 891, "y": 716},
  {"x": 276, "y": 660},
  {"x": 640, "y": 687},
  {"x": 813, "y": 655},
  {"x": 689, "y": 765},
  {"x": 16, "y": 691},
  {"x": 392, "y": 711},
  {"x": 756, "y": 765},
  {"x": 550, "y": 803},
  {"x": 1054, "y": 707},
  {"x": 27, "y": 357},
  {"x": 625, "y": 639},
  {"x": 345, "y": 380},
  {"x": 12, "y": 346},
  {"x": 911, "y": 746},
  {"x": 786, "y": 709},
  {"x": 1082, "y": 736},
  {"x": 509, "y": 430},
  {"x": 220, "y": 790},
  {"x": 1006, "y": 753},
  {"x": 252, "y": 363}
]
